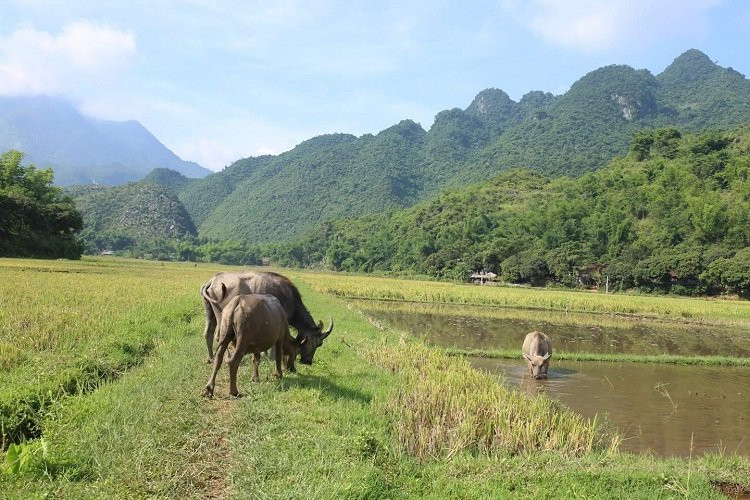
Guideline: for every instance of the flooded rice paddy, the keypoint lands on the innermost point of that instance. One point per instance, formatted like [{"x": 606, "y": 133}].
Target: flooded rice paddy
[
  {"x": 658, "y": 408},
  {"x": 668, "y": 410},
  {"x": 472, "y": 327}
]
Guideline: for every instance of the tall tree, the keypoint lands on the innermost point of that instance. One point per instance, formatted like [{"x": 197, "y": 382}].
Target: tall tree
[{"x": 36, "y": 220}]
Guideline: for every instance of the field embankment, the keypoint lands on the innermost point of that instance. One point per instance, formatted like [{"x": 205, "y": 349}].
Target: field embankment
[
  {"x": 629, "y": 358},
  {"x": 699, "y": 310},
  {"x": 331, "y": 430}
]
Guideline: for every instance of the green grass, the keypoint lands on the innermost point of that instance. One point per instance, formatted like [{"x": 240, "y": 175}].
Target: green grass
[
  {"x": 600, "y": 320},
  {"x": 65, "y": 328},
  {"x": 441, "y": 407},
  {"x": 703, "y": 310},
  {"x": 334, "y": 430},
  {"x": 625, "y": 358}
]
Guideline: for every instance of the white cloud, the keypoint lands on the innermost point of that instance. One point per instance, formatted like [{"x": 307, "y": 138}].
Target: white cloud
[
  {"x": 210, "y": 153},
  {"x": 229, "y": 140},
  {"x": 83, "y": 53},
  {"x": 597, "y": 25}
]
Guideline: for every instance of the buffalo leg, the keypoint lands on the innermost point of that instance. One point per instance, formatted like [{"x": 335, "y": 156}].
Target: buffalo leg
[
  {"x": 289, "y": 361},
  {"x": 210, "y": 329},
  {"x": 256, "y": 362},
  {"x": 279, "y": 353},
  {"x": 234, "y": 365},
  {"x": 209, "y": 390}
]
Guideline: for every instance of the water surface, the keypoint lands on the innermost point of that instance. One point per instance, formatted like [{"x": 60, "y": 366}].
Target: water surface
[
  {"x": 452, "y": 326},
  {"x": 659, "y": 408},
  {"x": 668, "y": 410}
]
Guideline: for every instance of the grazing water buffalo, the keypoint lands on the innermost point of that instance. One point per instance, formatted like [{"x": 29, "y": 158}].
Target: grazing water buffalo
[
  {"x": 223, "y": 287},
  {"x": 537, "y": 350},
  {"x": 256, "y": 323}
]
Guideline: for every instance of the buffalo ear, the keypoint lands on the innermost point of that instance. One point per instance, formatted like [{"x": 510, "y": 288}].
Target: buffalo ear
[
  {"x": 320, "y": 325},
  {"x": 528, "y": 358},
  {"x": 547, "y": 356}
]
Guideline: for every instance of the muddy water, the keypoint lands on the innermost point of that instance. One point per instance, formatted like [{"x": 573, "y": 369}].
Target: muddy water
[
  {"x": 659, "y": 408},
  {"x": 454, "y": 329}
]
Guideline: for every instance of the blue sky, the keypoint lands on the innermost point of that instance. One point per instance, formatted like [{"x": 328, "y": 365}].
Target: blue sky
[{"x": 216, "y": 80}]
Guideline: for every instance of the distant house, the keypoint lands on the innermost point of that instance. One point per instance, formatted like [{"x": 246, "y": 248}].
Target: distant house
[
  {"x": 106, "y": 252},
  {"x": 589, "y": 275},
  {"x": 482, "y": 277}
]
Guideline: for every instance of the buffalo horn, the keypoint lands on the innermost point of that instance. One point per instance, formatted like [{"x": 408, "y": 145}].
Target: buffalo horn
[{"x": 330, "y": 329}]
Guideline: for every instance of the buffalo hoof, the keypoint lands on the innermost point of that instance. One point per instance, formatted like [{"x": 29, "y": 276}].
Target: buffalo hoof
[
  {"x": 236, "y": 395},
  {"x": 208, "y": 392}
]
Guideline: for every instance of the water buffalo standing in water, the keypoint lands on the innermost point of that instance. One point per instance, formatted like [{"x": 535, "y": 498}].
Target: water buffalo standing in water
[
  {"x": 256, "y": 323},
  {"x": 223, "y": 287},
  {"x": 537, "y": 350}
]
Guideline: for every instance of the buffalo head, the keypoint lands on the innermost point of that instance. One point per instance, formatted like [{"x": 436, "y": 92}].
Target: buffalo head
[
  {"x": 538, "y": 365},
  {"x": 308, "y": 340}
]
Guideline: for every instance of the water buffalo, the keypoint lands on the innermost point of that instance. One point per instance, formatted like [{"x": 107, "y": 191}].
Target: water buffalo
[
  {"x": 537, "y": 350},
  {"x": 223, "y": 287},
  {"x": 256, "y": 323}
]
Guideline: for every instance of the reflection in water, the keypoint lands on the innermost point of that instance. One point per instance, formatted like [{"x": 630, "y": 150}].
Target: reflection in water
[
  {"x": 657, "y": 407},
  {"x": 629, "y": 337}
]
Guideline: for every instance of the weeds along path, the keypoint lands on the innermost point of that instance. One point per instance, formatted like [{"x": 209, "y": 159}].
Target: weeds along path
[
  {"x": 105, "y": 379},
  {"x": 150, "y": 433},
  {"x": 68, "y": 327}
]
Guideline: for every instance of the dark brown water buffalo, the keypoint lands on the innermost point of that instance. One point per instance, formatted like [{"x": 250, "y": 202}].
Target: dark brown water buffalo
[
  {"x": 537, "y": 350},
  {"x": 223, "y": 287},
  {"x": 256, "y": 323}
]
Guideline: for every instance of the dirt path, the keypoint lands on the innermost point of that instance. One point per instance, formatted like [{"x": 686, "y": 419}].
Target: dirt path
[{"x": 216, "y": 437}]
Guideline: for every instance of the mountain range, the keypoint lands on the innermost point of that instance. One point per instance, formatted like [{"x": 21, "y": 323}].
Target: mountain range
[
  {"x": 83, "y": 150},
  {"x": 280, "y": 198}
]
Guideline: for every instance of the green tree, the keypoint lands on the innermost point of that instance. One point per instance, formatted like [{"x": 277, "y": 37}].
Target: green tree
[{"x": 36, "y": 220}]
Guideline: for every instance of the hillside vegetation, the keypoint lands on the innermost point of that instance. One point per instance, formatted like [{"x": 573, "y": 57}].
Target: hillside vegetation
[
  {"x": 668, "y": 215},
  {"x": 673, "y": 215},
  {"x": 135, "y": 214},
  {"x": 279, "y": 198},
  {"x": 36, "y": 218}
]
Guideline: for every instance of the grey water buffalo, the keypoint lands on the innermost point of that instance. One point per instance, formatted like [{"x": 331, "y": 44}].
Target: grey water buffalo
[
  {"x": 537, "y": 349},
  {"x": 218, "y": 291},
  {"x": 255, "y": 323}
]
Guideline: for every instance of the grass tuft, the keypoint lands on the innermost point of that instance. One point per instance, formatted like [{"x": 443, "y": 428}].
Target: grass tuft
[{"x": 441, "y": 407}]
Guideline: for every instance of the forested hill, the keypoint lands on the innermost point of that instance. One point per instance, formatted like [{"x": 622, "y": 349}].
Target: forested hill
[
  {"x": 587, "y": 126},
  {"x": 279, "y": 198},
  {"x": 673, "y": 215},
  {"x": 132, "y": 215}
]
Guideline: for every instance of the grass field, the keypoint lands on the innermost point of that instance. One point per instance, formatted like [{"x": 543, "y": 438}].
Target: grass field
[
  {"x": 704, "y": 310},
  {"x": 100, "y": 389}
]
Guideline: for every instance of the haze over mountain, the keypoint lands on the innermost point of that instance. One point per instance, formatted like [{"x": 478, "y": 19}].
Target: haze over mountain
[
  {"x": 280, "y": 198},
  {"x": 81, "y": 150}
]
